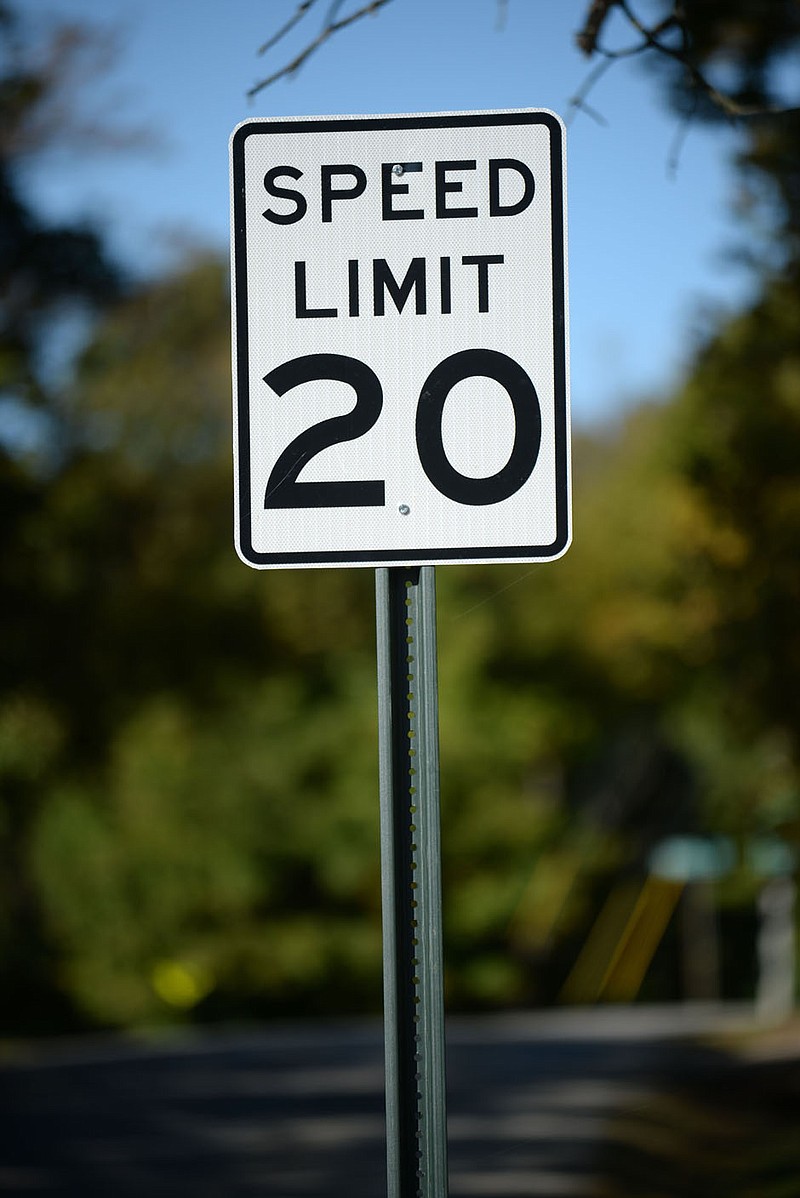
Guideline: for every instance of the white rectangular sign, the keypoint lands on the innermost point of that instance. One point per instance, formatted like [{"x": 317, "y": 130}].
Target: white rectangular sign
[{"x": 400, "y": 332}]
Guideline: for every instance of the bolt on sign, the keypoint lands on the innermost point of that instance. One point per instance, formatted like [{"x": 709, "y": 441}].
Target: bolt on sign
[{"x": 400, "y": 333}]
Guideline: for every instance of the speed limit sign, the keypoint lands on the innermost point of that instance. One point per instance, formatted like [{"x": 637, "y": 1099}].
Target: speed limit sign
[{"x": 400, "y": 339}]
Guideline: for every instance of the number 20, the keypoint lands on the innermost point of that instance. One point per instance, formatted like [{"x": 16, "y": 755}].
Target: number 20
[{"x": 284, "y": 490}]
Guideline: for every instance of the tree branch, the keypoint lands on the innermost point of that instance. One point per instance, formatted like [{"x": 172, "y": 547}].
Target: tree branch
[
  {"x": 595, "y": 19},
  {"x": 578, "y": 103},
  {"x": 331, "y": 27},
  {"x": 652, "y": 38},
  {"x": 297, "y": 16},
  {"x": 589, "y": 40}
]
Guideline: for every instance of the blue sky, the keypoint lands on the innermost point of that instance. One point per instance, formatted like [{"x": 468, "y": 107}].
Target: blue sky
[{"x": 647, "y": 251}]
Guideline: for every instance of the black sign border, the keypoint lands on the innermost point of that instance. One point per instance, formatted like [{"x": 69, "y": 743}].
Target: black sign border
[{"x": 374, "y": 557}]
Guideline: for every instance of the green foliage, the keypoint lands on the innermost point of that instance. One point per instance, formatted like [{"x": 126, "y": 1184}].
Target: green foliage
[
  {"x": 211, "y": 838},
  {"x": 206, "y": 842},
  {"x": 204, "y": 839},
  {"x": 214, "y": 844},
  {"x": 739, "y": 422}
]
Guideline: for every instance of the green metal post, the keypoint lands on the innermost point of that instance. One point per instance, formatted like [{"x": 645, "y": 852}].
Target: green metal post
[{"x": 416, "y": 1121}]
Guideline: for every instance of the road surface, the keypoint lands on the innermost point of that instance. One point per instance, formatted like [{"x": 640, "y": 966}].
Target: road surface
[{"x": 297, "y": 1111}]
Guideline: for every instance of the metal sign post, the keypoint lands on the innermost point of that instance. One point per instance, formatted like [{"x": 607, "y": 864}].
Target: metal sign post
[{"x": 416, "y": 1129}]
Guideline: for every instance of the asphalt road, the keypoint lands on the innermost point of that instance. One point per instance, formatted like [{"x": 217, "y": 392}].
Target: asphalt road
[{"x": 297, "y": 1112}]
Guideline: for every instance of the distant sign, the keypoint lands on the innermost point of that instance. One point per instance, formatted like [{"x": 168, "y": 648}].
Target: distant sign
[{"x": 399, "y": 292}]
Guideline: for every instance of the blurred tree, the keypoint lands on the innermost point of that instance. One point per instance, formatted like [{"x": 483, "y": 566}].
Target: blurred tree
[
  {"x": 210, "y": 840},
  {"x": 44, "y": 270},
  {"x": 738, "y": 426},
  {"x": 211, "y": 834},
  {"x": 740, "y": 67},
  {"x": 209, "y": 843},
  {"x": 557, "y": 685}
]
